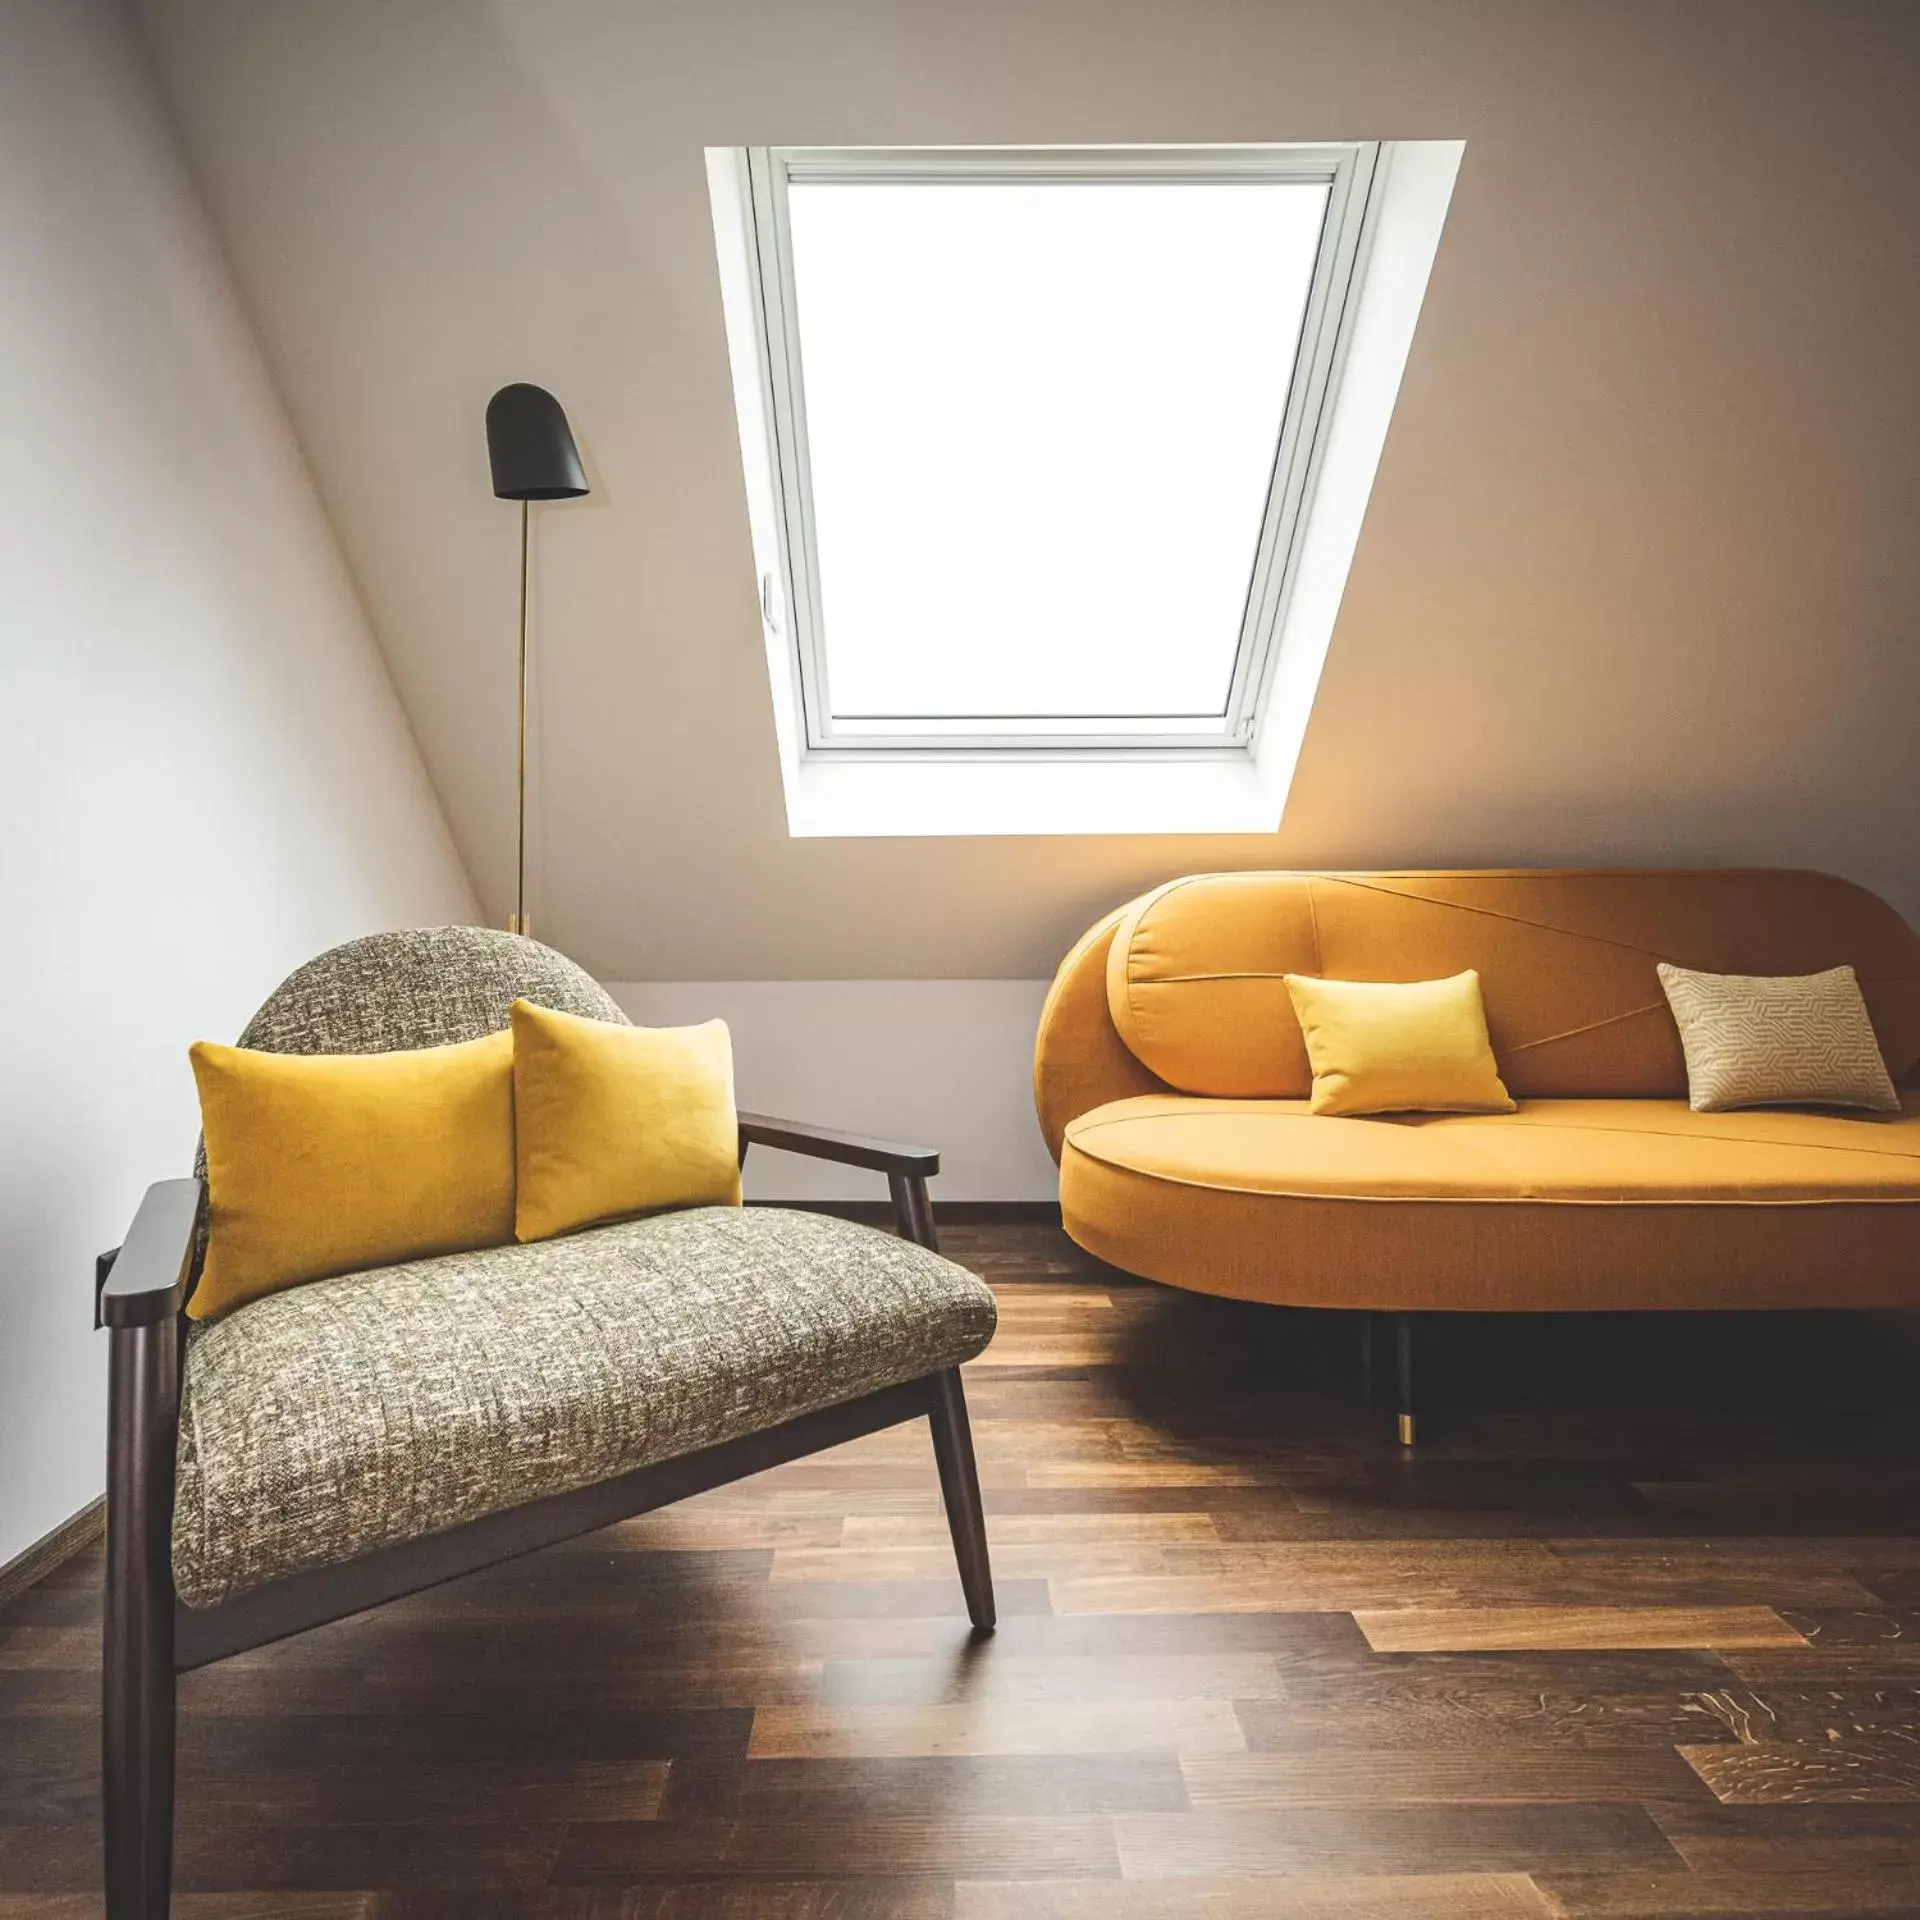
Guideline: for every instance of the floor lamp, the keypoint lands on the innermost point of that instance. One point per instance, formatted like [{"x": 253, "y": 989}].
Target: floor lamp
[{"x": 533, "y": 456}]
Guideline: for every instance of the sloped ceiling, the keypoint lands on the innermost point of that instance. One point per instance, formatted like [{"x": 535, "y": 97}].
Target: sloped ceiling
[{"x": 1640, "y": 581}]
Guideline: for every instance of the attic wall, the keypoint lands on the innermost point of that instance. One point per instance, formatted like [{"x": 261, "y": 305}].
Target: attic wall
[
  {"x": 205, "y": 777},
  {"x": 1638, "y": 583}
]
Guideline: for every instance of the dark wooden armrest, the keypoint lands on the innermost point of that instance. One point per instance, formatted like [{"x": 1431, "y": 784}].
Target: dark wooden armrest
[
  {"x": 146, "y": 1280},
  {"x": 822, "y": 1143}
]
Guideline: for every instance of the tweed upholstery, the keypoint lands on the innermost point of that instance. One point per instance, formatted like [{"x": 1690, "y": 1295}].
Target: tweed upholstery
[
  {"x": 423, "y": 987},
  {"x": 339, "y": 1417}
]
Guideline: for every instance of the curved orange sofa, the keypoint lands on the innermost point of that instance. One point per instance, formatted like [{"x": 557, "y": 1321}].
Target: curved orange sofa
[{"x": 1171, "y": 1082}]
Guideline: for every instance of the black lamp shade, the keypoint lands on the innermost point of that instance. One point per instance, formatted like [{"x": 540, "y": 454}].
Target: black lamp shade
[{"x": 531, "y": 446}]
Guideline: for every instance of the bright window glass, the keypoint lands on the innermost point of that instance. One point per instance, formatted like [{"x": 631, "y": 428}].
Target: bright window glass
[{"x": 1041, "y": 423}]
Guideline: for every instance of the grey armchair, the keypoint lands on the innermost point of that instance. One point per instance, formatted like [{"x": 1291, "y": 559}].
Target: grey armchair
[{"x": 323, "y": 1450}]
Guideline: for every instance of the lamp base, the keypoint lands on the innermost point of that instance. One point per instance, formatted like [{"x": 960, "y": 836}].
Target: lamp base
[{"x": 520, "y": 923}]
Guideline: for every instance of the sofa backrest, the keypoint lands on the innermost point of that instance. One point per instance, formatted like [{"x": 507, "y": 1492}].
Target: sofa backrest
[{"x": 1566, "y": 962}]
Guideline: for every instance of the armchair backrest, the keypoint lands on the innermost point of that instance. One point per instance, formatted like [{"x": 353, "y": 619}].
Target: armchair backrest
[
  {"x": 415, "y": 987},
  {"x": 421, "y": 987}
]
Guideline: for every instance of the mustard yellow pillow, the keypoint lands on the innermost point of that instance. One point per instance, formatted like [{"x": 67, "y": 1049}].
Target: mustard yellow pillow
[
  {"x": 329, "y": 1163},
  {"x": 1398, "y": 1046},
  {"x": 611, "y": 1121}
]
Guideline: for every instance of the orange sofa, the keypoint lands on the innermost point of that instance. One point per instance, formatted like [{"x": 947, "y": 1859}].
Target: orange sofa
[{"x": 1171, "y": 1082}]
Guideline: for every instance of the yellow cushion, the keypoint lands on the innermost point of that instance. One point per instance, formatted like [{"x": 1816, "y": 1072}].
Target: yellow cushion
[
  {"x": 1589, "y": 1153},
  {"x": 612, "y": 1121},
  {"x": 327, "y": 1163},
  {"x": 1398, "y": 1047},
  {"x": 1561, "y": 1205}
]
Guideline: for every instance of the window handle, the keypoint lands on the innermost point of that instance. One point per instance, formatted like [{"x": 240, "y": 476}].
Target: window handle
[{"x": 769, "y": 612}]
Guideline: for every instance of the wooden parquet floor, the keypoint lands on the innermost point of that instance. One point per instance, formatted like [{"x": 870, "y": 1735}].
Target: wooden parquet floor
[{"x": 1636, "y": 1633}]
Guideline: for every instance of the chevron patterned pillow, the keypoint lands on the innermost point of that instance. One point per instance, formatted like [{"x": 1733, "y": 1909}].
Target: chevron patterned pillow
[{"x": 1792, "y": 1040}]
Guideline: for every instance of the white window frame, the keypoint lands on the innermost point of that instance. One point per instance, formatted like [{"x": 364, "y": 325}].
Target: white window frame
[{"x": 1347, "y": 170}]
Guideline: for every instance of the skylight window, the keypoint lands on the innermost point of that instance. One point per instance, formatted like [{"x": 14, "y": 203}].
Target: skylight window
[
  {"x": 1041, "y": 411},
  {"x": 1034, "y": 437}
]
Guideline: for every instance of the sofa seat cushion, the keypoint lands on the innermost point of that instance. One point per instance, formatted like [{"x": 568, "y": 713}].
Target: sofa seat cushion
[
  {"x": 320, "y": 1424},
  {"x": 1562, "y": 1204}
]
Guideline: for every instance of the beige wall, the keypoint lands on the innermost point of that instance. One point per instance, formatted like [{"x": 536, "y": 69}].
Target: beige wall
[
  {"x": 204, "y": 775},
  {"x": 1640, "y": 581}
]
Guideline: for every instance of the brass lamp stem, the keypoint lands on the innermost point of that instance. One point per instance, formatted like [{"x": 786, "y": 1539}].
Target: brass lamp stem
[{"x": 518, "y": 922}]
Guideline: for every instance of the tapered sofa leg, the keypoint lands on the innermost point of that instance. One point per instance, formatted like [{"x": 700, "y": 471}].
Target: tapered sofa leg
[
  {"x": 137, "y": 1671},
  {"x": 960, "y": 1489},
  {"x": 1403, "y": 1373}
]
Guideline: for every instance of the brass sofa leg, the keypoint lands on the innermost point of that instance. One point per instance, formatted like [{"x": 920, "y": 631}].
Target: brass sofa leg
[
  {"x": 137, "y": 1671},
  {"x": 1403, "y": 1367}
]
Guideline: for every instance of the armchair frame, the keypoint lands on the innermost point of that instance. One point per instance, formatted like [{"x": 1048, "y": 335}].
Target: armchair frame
[{"x": 150, "y": 1638}]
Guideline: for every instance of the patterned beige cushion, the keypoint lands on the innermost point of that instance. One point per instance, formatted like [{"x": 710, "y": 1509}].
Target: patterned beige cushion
[
  {"x": 322, "y": 1423},
  {"x": 1799, "y": 1040}
]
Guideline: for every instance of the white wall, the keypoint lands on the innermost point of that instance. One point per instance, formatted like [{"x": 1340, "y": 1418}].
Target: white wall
[
  {"x": 204, "y": 774},
  {"x": 938, "y": 1063}
]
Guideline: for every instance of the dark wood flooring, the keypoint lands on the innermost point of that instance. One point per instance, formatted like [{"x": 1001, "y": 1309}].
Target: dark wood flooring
[{"x": 1637, "y": 1632}]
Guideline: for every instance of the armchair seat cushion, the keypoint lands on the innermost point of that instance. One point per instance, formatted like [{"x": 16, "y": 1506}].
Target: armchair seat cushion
[{"x": 327, "y": 1422}]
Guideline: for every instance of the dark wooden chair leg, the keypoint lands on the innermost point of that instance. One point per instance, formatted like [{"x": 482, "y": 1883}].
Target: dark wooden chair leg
[
  {"x": 137, "y": 1671},
  {"x": 952, "y": 1435},
  {"x": 1368, "y": 1363},
  {"x": 960, "y": 1489},
  {"x": 1403, "y": 1352},
  {"x": 913, "y": 1210}
]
